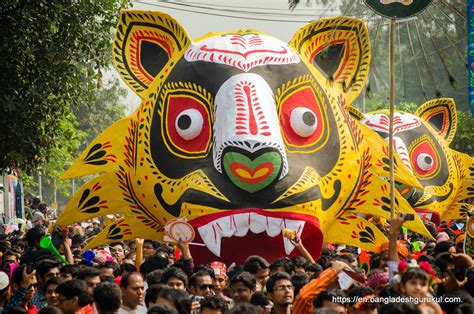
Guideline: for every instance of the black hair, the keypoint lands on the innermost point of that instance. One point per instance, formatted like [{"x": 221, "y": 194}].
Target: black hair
[
  {"x": 88, "y": 272},
  {"x": 152, "y": 293},
  {"x": 124, "y": 281},
  {"x": 107, "y": 297},
  {"x": 155, "y": 276},
  {"x": 117, "y": 243},
  {"x": 246, "y": 279},
  {"x": 348, "y": 258},
  {"x": 50, "y": 310},
  {"x": 328, "y": 295},
  {"x": 196, "y": 275},
  {"x": 464, "y": 309},
  {"x": 315, "y": 268},
  {"x": 374, "y": 261},
  {"x": 74, "y": 288},
  {"x": 127, "y": 268},
  {"x": 284, "y": 262},
  {"x": 43, "y": 266},
  {"x": 162, "y": 309},
  {"x": 17, "y": 276},
  {"x": 11, "y": 252},
  {"x": 53, "y": 281},
  {"x": 274, "y": 278},
  {"x": 214, "y": 302},
  {"x": 155, "y": 244},
  {"x": 234, "y": 270},
  {"x": 432, "y": 230},
  {"x": 180, "y": 299},
  {"x": 33, "y": 235},
  {"x": 254, "y": 263},
  {"x": 299, "y": 261},
  {"x": 443, "y": 261},
  {"x": 166, "y": 249},
  {"x": 299, "y": 280},
  {"x": 358, "y": 291},
  {"x": 14, "y": 310},
  {"x": 260, "y": 298},
  {"x": 443, "y": 246},
  {"x": 415, "y": 273},
  {"x": 176, "y": 273},
  {"x": 245, "y": 308},
  {"x": 400, "y": 308},
  {"x": 457, "y": 298},
  {"x": 114, "y": 266},
  {"x": 72, "y": 269},
  {"x": 155, "y": 262},
  {"x": 107, "y": 279},
  {"x": 206, "y": 268}
]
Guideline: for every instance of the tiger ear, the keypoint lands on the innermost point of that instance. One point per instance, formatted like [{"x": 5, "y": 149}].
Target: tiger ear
[
  {"x": 441, "y": 115},
  {"x": 339, "y": 49},
  {"x": 147, "y": 45}
]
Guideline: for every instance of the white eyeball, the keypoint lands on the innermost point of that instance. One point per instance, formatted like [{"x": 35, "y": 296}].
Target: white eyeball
[
  {"x": 425, "y": 161},
  {"x": 189, "y": 124},
  {"x": 303, "y": 121}
]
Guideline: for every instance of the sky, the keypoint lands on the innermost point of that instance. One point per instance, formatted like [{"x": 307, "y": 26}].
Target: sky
[{"x": 201, "y": 17}]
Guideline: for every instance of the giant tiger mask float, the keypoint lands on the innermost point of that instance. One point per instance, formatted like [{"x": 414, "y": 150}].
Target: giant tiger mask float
[
  {"x": 241, "y": 135},
  {"x": 422, "y": 140}
]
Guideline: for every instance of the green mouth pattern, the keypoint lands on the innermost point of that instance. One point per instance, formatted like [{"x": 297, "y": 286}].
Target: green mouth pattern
[{"x": 233, "y": 160}]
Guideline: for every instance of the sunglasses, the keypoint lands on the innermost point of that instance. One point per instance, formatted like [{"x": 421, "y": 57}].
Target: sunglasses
[
  {"x": 32, "y": 286},
  {"x": 204, "y": 287}
]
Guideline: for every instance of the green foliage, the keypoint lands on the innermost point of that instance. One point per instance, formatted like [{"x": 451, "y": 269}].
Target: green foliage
[
  {"x": 464, "y": 139},
  {"x": 430, "y": 52},
  {"x": 52, "y": 53}
]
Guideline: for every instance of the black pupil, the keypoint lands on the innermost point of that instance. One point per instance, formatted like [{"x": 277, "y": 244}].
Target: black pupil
[
  {"x": 184, "y": 122},
  {"x": 428, "y": 160},
  {"x": 309, "y": 119}
]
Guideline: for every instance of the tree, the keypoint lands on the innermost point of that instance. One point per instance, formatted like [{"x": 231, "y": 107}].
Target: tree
[
  {"x": 103, "y": 107},
  {"x": 430, "y": 52},
  {"x": 52, "y": 54}
]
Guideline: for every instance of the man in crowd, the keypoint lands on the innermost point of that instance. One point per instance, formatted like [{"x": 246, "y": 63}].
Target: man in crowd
[
  {"x": 133, "y": 294},
  {"x": 73, "y": 297},
  {"x": 242, "y": 286},
  {"x": 259, "y": 268},
  {"x": 201, "y": 284},
  {"x": 281, "y": 291},
  {"x": 107, "y": 298},
  {"x": 175, "y": 278}
]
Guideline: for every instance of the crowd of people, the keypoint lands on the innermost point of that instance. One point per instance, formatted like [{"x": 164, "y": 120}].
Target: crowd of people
[{"x": 410, "y": 274}]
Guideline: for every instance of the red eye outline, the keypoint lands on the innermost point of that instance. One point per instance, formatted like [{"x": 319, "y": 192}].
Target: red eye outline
[
  {"x": 424, "y": 146},
  {"x": 197, "y": 147},
  {"x": 304, "y": 97}
]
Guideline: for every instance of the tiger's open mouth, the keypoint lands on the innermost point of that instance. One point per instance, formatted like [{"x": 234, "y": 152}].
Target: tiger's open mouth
[{"x": 236, "y": 234}]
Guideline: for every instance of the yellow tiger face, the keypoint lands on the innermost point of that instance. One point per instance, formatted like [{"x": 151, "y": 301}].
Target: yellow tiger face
[
  {"x": 239, "y": 134},
  {"x": 422, "y": 141}
]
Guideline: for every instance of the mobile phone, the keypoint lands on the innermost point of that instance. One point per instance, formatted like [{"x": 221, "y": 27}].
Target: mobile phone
[
  {"x": 198, "y": 298},
  {"x": 409, "y": 217}
]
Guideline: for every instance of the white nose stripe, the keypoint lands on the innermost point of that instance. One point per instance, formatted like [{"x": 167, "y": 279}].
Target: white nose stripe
[{"x": 245, "y": 116}]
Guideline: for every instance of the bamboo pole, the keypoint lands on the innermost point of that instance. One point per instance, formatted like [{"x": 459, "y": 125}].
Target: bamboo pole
[{"x": 393, "y": 25}]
